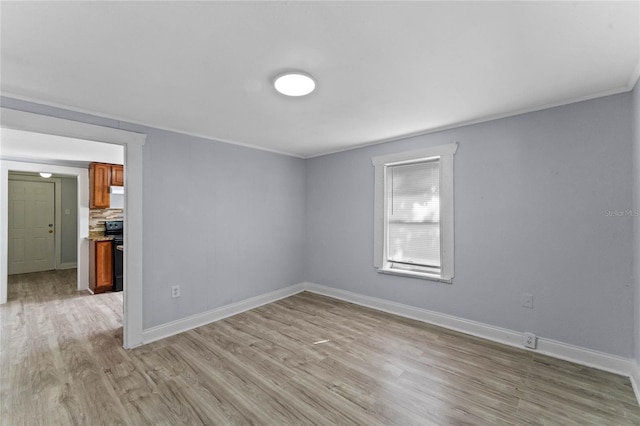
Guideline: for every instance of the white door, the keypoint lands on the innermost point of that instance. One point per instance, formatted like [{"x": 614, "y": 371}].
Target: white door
[{"x": 31, "y": 222}]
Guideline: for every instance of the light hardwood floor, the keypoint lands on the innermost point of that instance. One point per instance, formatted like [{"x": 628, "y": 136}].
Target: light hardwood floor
[{"x": 306, "y": 359}]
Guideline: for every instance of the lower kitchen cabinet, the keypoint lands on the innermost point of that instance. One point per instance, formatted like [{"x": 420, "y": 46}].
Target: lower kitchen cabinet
[{"x": 101, "y": 266}]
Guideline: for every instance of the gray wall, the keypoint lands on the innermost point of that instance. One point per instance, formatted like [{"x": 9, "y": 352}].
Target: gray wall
[
  {"x": 531, "y": 196},
  {"x": 222, "y": 221},
  {"x": 531, "y": 193},
  {"x": 69, "y": 222},
  {"x": 636, "y": 207}
]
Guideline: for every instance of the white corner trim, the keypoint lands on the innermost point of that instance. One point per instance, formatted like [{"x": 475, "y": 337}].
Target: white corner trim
[
  {"x": 578, "y": 355},
  {"x": 615, "y": 91},
  {"x": 185, "y": 324},
  {"x": 144, "y": 123},
  {"x": 587, "y": 357},
  {"x": 30, "y": 122},
  {"x": 68, "y": 265},
  {"x": 416, "y": 155},
  {"x": 635, "y": 75},
  {"x": 635, "y": 380}
]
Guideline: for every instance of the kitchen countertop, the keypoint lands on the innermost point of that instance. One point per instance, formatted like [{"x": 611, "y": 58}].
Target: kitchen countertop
[{"x": 99, "y": 238}]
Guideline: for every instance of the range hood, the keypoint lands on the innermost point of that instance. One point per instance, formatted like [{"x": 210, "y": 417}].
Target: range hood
[{"x": 116, "y": 197}]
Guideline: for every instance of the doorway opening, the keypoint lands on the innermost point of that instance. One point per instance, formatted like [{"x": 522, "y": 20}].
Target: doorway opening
[
  {"x": 21, "y": 124},
  {"x": 48, "y": 223}
]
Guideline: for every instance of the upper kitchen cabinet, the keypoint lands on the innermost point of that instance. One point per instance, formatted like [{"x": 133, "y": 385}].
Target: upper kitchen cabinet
[
  {"x": 101, "y": 178},
  {"x": 99, "y": 183},
  {"x": 117, "y": 175}
]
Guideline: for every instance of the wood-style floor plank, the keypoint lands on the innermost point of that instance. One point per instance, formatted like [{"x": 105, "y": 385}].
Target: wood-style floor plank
[{"x": 304, "y": 360}]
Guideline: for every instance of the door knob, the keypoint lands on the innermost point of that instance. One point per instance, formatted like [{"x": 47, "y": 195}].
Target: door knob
[{"x": 50, "y": 231}]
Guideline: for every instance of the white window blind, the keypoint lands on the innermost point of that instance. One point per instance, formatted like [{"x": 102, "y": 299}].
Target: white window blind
[{"x": 413, "y": 215}]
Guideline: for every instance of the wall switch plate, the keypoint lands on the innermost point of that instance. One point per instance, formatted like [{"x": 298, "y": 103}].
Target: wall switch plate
[
  {"x": 175, "y": 291},
  {"x": 526, "y": 300},
  {"x": 530, "y": 340}
]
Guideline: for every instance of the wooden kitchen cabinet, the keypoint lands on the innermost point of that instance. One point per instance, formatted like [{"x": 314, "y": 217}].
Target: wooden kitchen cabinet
[
  {"x": 101, "y": 177},
  {"x": 99, "y": 182},
  {"x": 117, "y": 175},
  {"x": 101, "y": 266}
]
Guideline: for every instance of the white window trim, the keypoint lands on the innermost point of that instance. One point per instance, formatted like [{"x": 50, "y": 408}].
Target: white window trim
[{"x": 445, "y": 153}]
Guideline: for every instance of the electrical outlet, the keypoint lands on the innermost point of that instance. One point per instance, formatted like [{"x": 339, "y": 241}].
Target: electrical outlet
[
  {"x": 527, "y": 300},
  {"x": 175, "y": 291},
  {"x": 530, "y": 340}
]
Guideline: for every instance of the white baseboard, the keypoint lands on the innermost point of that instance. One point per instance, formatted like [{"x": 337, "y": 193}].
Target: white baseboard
[
  {"x": 635, "y": 380},
  {"x": 553, "y": 348},
  {"x": 67, "y": 265},
  {"x": 578, "y": 355},
  {"x": 185, "y": 324}
]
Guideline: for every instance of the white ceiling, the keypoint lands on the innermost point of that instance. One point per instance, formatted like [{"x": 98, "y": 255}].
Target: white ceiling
[{"x": 383, "y": 69}]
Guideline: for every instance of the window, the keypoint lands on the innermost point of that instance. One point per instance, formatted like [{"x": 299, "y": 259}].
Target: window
[{"x": 414, "y": 213}]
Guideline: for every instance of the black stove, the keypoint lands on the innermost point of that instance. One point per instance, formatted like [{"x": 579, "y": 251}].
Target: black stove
[{"x": 115, "y": 229}]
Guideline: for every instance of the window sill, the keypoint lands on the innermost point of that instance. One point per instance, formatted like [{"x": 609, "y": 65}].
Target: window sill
[{"x": 420, "y": 275}]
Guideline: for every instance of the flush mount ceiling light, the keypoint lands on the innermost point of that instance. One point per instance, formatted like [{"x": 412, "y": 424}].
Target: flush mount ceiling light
[
  {"x": 294, "y": 84},
  {"x": 45, "y": 175}
]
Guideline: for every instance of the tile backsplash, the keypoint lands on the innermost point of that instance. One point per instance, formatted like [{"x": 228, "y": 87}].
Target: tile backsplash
[{"x": 98, "y": 216}]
